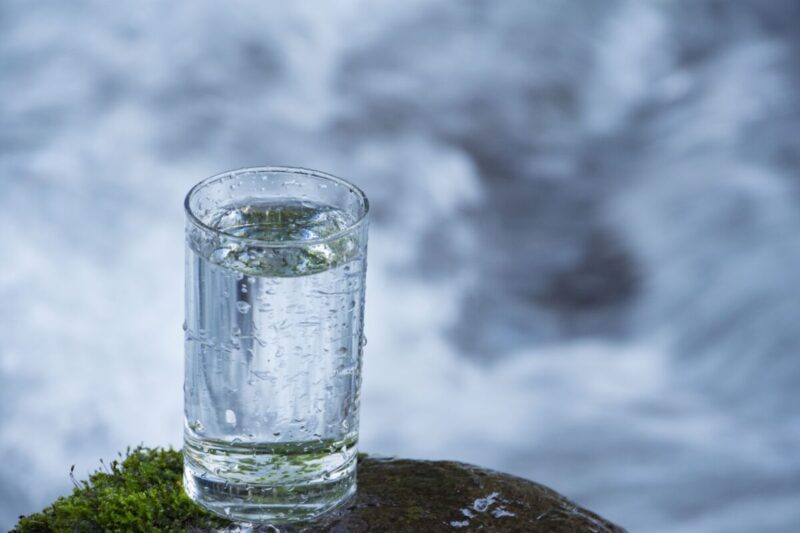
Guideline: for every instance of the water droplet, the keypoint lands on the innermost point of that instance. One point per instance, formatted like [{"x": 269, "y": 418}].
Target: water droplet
[
  {"x": 276, "y": 434},
  {"x": 236, "y": 331},
  {"x": 363, "y": 340},
  {"x": 342, "y": 350},
  {"x": 261, "y": 374},
  {"x": 243, "y": 307},
  {"x": 243, "y": 288},
  {"x": 240, "y": 276},
  {"x": 230, "y": 417}
]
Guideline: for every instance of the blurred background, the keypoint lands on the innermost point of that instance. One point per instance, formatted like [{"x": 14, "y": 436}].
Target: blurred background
[{"x": 584, "y": 247}]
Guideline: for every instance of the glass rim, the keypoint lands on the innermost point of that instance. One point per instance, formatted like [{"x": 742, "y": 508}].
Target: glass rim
[{"x": 197, "y": 222}]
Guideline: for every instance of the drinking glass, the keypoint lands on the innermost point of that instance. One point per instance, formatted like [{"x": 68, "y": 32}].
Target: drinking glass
[{"x": 275, "y": 267}]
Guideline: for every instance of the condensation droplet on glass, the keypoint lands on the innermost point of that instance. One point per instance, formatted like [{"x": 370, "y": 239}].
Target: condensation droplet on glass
[
  {"x": 243, "y": 307},
  {"x": 230, "y": 417},
  {"x": 261, "y": 374}
]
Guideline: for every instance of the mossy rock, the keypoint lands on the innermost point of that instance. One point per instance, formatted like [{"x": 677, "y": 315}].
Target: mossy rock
[
  {"x": 404, "y": 495},
  {"x": 142, "y": 492}
]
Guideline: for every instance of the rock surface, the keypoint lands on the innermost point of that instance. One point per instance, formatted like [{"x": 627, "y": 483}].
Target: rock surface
[
  {"x": 404, "y": 495},
  {"x": 142, "y": 491}
]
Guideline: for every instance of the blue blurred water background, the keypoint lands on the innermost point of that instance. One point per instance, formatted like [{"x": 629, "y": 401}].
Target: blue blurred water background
[{"x": 583, "y": 255}]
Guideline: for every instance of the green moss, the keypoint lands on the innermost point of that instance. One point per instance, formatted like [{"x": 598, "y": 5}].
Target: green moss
[{"x": 140, "y": 492}]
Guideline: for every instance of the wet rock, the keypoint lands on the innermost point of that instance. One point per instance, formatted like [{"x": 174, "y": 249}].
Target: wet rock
[
  {"x": 405, "y": 495},
  {"x": 142, "y": 492}
]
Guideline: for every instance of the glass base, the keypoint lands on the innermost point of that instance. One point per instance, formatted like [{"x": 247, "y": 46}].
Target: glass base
[{"x": 270, "y": 503}]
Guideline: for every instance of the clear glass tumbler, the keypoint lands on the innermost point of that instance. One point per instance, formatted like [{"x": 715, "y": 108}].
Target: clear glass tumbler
[{"x": 275, "y": 267}]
